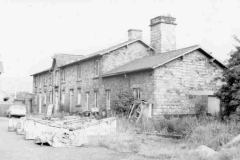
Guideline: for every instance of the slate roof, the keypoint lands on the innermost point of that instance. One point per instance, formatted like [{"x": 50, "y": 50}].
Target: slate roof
[
  {"x": 61, "y": 59},
  {"x": 151, "y": 62},
  {"x": 104, "y": 51},
  {"x": 43, "y": 71}
]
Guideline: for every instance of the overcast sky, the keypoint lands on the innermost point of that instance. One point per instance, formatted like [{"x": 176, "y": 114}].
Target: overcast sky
[{"x": 32, "y": 31}]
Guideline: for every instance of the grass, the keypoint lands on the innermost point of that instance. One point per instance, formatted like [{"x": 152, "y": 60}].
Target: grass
[{"x": 203, "y": 131}]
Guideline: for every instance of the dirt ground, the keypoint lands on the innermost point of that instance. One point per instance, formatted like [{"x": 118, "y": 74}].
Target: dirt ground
[{"x": 14, "y": 147}]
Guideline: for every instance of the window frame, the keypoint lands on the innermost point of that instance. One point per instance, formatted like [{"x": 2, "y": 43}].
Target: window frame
[
  {"x": 63, "y": 75},
  {"x": 79, "y": 96},
  {"x": 95, "y": 99},
  {"x": 45, "y": 98},
  {"x": 108, "y": 99},
  {"x": 57, "y": 77},
  {"x": 87, "y": 100},
  {"x": 138, "y": 93},
  {"x": 63, "y": 97},
  {"x": 96, "y": 68}
]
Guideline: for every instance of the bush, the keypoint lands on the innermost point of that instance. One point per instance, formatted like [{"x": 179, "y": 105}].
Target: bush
[
  {"x": 213, "y": 133},
  {"x": 63, "y": 108},
  {"x": 200, "y": 109},
  {"x": 122, "y": 103}
]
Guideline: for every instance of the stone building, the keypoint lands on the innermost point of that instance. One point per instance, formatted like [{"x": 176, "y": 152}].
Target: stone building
[{"x": 172, "y": 79}]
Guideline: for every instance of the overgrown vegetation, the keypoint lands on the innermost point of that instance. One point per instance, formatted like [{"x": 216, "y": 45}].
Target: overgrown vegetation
[
  {"x": 205, "y": 130},
  {"x": 122, "y": 103}
]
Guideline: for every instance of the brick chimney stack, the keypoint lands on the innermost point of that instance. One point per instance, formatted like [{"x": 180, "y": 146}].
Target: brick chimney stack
[
  {"x": 163, "y": 36},
  {"x": 134, "y": 34}
]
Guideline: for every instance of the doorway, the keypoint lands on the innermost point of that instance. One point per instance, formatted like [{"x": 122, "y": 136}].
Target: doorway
[
  {"x": 213, "y": 105},
  {"x": 56, "y": 101},
  {"x": 40, "y": 104},
  {"x": 71, "y": 100}
]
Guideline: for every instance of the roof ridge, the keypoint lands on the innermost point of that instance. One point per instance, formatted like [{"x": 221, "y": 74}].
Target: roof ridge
[{"x": 109, "y": 49}]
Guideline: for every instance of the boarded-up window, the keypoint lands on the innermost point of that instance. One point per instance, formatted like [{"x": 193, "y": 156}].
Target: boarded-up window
[
  {"x": 136, "y": 93},
  {"x": 50, "y": 79},
  {"x": 108, "y": 92},
  {"x": 57, "y": 78},
  {"x": 87, "y": 101},
  {"x": 63, "y": 75},
  {"x": 63, "y": 97},
  {"x": 96, "y": 99},
  {"x": 96, "y": 68},
  {"x": 79, "y": 96},
  {"x": 35, "y": 81},
  {"x": 50, "y": 97},
  {"x": 45, "y": 98}
]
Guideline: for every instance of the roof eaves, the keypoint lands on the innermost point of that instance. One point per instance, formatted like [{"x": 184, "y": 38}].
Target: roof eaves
[
  {"x": 43, "y": 71},
  {"x": 197, "y": 47},
  {"x": 150, "y": 47},
  {"x": 80, "y": 60},
  {"x": 125, "y": 72},
  {"x": 209, "y": 53}
]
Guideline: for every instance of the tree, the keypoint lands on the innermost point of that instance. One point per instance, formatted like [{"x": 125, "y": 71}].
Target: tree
[{"x": 229, "y": 93}]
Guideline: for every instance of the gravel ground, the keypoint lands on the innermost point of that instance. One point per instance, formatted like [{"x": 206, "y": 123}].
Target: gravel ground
[{"x": 14, "y": 147}]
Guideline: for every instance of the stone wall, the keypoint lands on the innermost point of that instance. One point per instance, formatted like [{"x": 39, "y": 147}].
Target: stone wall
[
  {"x": 43, "y": 88},
  {"x": 176, "y": 79},
  {"x": 142, "y": 80},
  {"x": 124, "y": 55},
  {"x": 89, "y": 83}
]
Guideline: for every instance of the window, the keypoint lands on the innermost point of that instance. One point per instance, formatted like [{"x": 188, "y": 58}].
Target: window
[
  {"x": 63, "y": 75},
  {"x": 39, "y": 81},
  {"x": 96, "y": 68},
  {"x": 45, "y": 79},
  {"x": 50, "y": 79},
  {"x": 45, "y": 99},
  {"x": 63, "y": 97},
  {"x": 79, "y": 72},
  {"x": 136, "y": 93},
  {"x": 87, "y": 101},
  {"x": 108, "y": 92},
  {"x": 79, "y": 96},
  {"x": 50, "y": 97},
  {"x": 35, "y": 81},
  {"x": 56, "y": 77},
  {"x": 96, "y": 99},
  {"x": 36, "y": 99}
]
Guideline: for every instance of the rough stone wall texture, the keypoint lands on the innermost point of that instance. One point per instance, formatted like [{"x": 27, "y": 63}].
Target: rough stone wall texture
[
  {"x": 174, "y": 80},
  {"x": 42, "y": 89},
  {"x": 117, "y": 84},
  {"x": 163, "y": 37},
  {"x": 123, "y": 55},
  {"x": 70, "y": 83},
  {"x": 89, "y": 83}
]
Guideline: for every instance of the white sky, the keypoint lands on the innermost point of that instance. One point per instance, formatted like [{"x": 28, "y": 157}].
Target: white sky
[{"x": 32, "y": 31}]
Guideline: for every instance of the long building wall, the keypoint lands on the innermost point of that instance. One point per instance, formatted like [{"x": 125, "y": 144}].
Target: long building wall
[{"x": 88, "y": 83}]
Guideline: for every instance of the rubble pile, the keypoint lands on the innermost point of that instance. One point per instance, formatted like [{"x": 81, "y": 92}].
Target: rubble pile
[{"x": 67, "y": 132}]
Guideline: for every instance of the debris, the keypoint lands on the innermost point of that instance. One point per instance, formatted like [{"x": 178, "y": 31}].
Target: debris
[
  {"x": 232, "y": 142},
  {"x": 140, "y": 109},
  {"x": 12, "y": 124},
  {"x": 67, "y": 132},
  {"x": 49, "y": 109}
]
